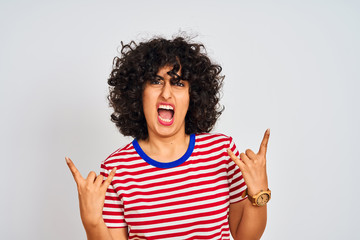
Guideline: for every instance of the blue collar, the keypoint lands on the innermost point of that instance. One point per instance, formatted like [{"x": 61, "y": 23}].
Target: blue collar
[{"x": 167, "y": 164}]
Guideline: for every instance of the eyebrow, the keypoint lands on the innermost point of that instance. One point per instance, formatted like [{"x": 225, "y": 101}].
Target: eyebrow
[
  {"x": 177, "y": 76},
  {"x": 159, "y": 77}
]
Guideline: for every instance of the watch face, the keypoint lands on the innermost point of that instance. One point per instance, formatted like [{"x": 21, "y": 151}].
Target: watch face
[{"x": 262, "y": 199}]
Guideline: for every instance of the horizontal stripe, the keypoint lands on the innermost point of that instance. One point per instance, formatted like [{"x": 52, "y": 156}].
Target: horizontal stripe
[
  {"x": 189, "y": 201},
  {"x": 188, "y": 231},
  {"x": 184, "y": 206},
  {"x": 163, "y": 194},
  {"x": 181, "y": 184},
  {"x": 168, "y": 179}
]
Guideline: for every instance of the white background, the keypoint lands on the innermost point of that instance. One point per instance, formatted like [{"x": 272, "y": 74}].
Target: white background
[{"x": 292, "y": 66}]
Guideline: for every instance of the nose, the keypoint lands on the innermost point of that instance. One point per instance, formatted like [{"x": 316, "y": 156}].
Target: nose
[{"x": 166, "y": 92}]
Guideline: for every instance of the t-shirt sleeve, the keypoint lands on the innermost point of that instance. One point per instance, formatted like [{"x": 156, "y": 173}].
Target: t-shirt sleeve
[
  {"x": 237, "y": 185},
  {"x": 113, "y": 211}
]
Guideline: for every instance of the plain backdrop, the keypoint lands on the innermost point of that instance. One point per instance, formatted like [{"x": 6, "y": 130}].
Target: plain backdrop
[{"x": 291, "y": 66}]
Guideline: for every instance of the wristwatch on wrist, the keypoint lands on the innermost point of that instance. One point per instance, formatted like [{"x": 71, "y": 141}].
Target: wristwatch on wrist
[{"x": 261, "y": 198}]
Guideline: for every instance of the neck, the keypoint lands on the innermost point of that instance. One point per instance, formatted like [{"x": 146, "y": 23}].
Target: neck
[{"x": 165, "y": 149}]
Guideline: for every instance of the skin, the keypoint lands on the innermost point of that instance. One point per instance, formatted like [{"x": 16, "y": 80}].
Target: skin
[
  {"x": 168, "y": 143},
  {"x": 165, "y": 143},
  {"x": 246, "y": 221},
  {"x": 91, "y": 192}
]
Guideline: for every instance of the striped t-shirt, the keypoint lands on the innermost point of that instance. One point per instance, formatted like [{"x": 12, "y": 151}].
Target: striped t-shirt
[{"x": 185, "y": 199}]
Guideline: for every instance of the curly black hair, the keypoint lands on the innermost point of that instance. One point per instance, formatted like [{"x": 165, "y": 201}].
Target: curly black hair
[{"x": 140, "y": 63}]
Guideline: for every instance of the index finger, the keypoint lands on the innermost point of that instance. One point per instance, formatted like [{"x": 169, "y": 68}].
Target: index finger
[
  {"x": 75, "y": 172},
  {"x": 264, "y": 142}
]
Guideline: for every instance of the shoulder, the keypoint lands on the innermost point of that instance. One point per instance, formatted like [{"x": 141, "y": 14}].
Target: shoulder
[
  {"x": 211, "y": 142},
  {"x": 120, "y": 154},
  {"x": 211, "y": 138}
]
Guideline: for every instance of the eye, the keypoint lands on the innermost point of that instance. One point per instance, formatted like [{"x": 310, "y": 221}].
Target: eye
[
  {"x": 155, "y": 81},
  {"x": 178, "y": 83}
]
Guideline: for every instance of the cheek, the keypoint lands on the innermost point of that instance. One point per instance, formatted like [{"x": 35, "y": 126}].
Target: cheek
[
  {"x": 148, "y": 97},
  {"x": 188, "y": 98},
  {"x": 146, "y": 103},
  {"x": 185, "y": 103}
]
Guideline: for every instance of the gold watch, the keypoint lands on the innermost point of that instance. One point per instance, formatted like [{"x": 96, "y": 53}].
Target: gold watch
[{"x": 261, "y": 198}]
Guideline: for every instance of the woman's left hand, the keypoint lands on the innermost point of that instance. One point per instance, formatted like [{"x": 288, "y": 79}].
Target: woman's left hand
[{"x": 253, "y": 166}]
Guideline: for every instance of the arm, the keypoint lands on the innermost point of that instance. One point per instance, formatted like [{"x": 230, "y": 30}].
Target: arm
[
  {"x": 91, "y": 193},
  {"x": 101, "y": 231},
  {"x": 246, "y": 221}
]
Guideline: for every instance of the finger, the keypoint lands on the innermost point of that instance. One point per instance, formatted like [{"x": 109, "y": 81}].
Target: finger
[
  {"x": 264, "y": 143},
  {"x": 238, "y": 162},
  {"x": 232, "y": 155},
  {"x": 109, "y": 178},
  {"x": 91, "y": 176},
  {"x": 75, "y": 172},
  {"x": 99, "y": 180},
  {"x": 245, "y": 158},
  {"x": 250, "y": 154}
]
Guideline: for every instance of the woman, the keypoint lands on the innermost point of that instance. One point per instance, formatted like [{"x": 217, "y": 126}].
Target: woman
[{"x": 175, "y": 180}]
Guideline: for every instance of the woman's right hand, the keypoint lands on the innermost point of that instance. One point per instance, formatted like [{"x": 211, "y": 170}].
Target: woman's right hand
[{"x": 92, "y": 192}]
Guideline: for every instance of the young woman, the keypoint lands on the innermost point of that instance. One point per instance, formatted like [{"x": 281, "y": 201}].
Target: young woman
[{"x": 175, "y": 180}]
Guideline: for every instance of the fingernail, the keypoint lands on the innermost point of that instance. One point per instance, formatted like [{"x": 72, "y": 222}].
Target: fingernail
[
  {"x": 268, "y": 131},
  {"x": 67, "y": 159}
]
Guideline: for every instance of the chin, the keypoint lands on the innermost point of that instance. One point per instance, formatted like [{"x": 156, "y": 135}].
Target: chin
[{"x": 168, "y": 131}]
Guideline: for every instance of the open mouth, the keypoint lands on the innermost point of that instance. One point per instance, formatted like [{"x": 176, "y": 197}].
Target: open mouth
[{"x": 165, "y": 114}]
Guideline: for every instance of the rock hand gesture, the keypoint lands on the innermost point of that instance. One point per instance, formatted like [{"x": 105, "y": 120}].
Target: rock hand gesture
[
  {"x": 253, "y": 166},
  {"x": 91, "y": 195}
]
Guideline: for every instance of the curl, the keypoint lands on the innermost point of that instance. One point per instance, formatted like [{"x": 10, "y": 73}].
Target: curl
[{"x": 139, "y": 63}]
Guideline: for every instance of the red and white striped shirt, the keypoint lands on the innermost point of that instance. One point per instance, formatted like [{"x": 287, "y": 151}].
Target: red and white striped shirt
[{"x": 185, "y": 199}]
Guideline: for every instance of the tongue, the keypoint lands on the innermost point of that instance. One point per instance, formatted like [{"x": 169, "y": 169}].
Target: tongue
[{"x": 165, "y": 114}]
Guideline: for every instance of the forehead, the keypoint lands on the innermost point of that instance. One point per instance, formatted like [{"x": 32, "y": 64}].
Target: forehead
[{"x": 163, "y": 71}]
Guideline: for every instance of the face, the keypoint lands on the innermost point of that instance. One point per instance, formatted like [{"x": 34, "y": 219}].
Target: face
[{"x": 165, "y": 104}]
